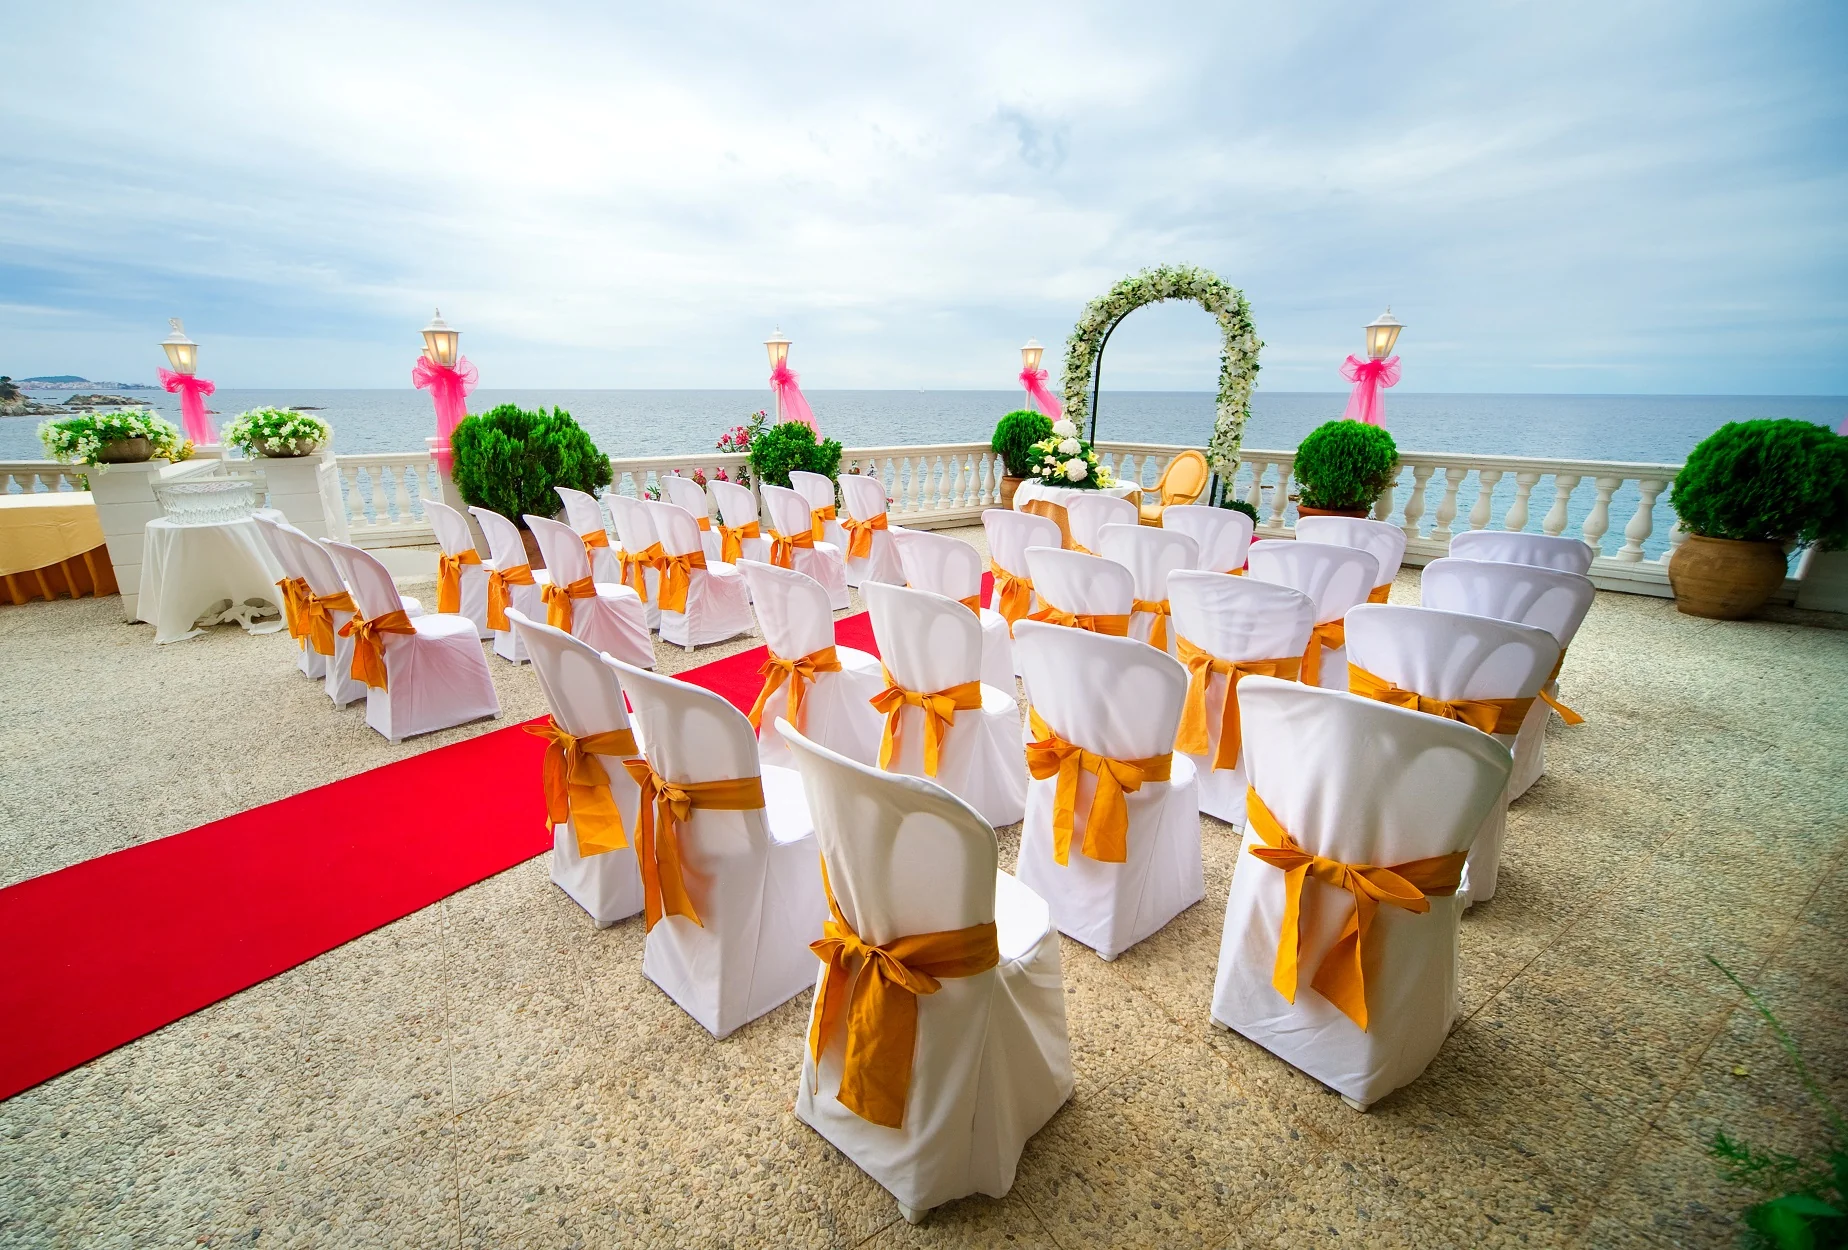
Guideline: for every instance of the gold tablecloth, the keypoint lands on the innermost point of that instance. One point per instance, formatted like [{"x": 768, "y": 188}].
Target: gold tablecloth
[{"x": 51, "y": 544}]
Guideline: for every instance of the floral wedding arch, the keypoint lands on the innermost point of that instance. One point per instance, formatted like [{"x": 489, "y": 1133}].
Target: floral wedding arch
[{"x": 1238, "y": 360}]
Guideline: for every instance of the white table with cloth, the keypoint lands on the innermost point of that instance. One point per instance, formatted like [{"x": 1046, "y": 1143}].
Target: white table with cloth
[
  {"x": 198, "y": 575},
  {"x": 1042, "y": 499}
]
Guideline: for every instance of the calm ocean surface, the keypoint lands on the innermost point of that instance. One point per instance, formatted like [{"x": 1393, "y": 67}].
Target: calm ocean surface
[{"x": 1655, "y": 428}]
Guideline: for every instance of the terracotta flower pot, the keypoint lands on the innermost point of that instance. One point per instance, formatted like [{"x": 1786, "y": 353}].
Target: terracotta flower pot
[
  {"x": 1724, "y": 578},
  {"x": 1303, "y": 509},
  {"x": 285, "y": 448},
  {"x": 1009, "y": 484},
  {"x": 125, "y": 451}
]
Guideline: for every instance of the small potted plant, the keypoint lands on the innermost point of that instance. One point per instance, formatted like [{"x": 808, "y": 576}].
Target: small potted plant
[
  {"x": 278, "y": 433},
  {"x": 792, "y": 445},
  {"x": 1064, "y": 459},
  {"x": 1746, "y": 493},
  {"x": 1342, "y": 467},
  {"x": 1015, "y": 435},
  {"x": 125, "y": 437},
  {"x": 508, "y": 460},
  {"x": 737, "y": 441}
]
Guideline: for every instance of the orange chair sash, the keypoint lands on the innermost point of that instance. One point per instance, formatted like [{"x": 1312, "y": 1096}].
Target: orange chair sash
[
  {"x": 1491, "y": 716},
  {"x": 873, "y": 992},
  {"x": 1013, "y": 594},
  {"x": 818, "y": 520},
  {"x": 635, "y": 566},
  {"x": 1551, "y": 700},
  {"x": 295, "y": 595},
  {"x": 1106, "y": 825},
  {"x": 500, "y": 592},
  {"x": 783, "y": 547},
  {"x": 1331, "y": 635},
  {"x": 1159, "y": 609},
  {"x": 939, "y": 707},
  {"x": 677, "y": 578},
  {"x": 797, "y": 674},
  {"x": 860, "y": 535},
  {"x": 665, "y": 806},
  {"x": 731, "y": 540},
  {"x": 577, "y": 786},
  {"x": 1380, "y": 593},
  {"x": 369, "y": 643},
  {"x": 449, "y": 578},
  {"x": 558, "y": 600},
  {"x": 1195, "y": 737},
  {"x": 704, "y": 523},
  {"x": 320, "y": 611},
  {"x": 1116, "y": 624},
  {"x": 1341, "y": 978}
]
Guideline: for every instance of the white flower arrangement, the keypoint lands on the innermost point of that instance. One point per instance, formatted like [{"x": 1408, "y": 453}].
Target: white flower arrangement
[
  {"x": 1069, "y": 462},
  {"x": 1238, "y": 360},
  {"x": 272, "y": 431},
  {"x": 79, "y": 439}
]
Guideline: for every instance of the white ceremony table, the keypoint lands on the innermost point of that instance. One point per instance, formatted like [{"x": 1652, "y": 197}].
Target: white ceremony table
[
  {"x": 1062, "y": 495},
  {"x": 197, "y": 575}
]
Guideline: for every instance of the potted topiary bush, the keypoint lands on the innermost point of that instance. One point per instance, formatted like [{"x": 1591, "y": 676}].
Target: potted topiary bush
[
  {"x": 792, "y": 445},
  {"x": 1015, "y": 435},
  {"x": 1750, "y": 489},
  {"x": 1342, "y": 467},
  {"x": 508, "y": 460}
]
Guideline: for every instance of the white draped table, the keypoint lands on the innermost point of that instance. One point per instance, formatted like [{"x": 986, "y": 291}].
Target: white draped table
[
  {"x": 197, "y": 575},
  {"x": 1062, "y": 495}
]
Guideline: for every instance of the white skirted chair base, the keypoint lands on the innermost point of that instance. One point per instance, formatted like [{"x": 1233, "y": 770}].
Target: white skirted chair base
[
  {"x": 611, "y": 620},
  {"x": 863, "y": 497},
  {"x": 981, "y": 761},
  {"x": 718, "y": 607}
]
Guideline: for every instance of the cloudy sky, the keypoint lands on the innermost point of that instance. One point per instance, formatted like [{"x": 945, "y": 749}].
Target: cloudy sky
[{"x": 1555, "y": 197}]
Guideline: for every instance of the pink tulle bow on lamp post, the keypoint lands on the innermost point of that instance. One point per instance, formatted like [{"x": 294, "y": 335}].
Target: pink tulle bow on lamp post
[
  {"x": 1034, "y": 379},
  {"x": 183, "y": 355},
  {"x": 1373, "y": 375},
  {"x": 790, "y": 403},
  {"x": 448, "y": 376}
]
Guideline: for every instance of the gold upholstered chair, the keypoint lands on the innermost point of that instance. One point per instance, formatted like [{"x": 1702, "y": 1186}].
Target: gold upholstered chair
[{"x": 1181, "y": 483}]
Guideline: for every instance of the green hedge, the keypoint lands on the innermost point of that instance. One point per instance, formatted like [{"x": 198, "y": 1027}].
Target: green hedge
[
  {"x": 1014, "y": 437},
  {"x": 1345, "y": 465},
  {"x": 1766, "y": 481},
  {"x": 792, "y": 445},
  {"x": 508, "y": 460}
]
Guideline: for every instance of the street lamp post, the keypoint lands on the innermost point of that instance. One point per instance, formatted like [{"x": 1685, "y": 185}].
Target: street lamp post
[
  {"x": 183, "y": 355},
  {"x": 1374, "y": 374},
  {"x": 449, "y": 377},
  {"x": 1033, "y": 378},
  {"x": 778, "y": 348},
  {"x": 1382, "y": 333}
]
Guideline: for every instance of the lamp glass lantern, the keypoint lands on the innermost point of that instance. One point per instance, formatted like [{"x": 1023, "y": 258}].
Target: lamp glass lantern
[
  {"x": 182, "y": 352},
  {"x": 442, "y": 342},
  {"x": 778, "y": 348},
  {"x": 1382, "y": 333},
  {"x": 1030, "y": 356}
]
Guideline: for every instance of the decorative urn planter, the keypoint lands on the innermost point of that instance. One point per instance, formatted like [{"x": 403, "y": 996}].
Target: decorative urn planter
[
  {"x": 1724, "y": 578},
  {"x": 285, "y": 448},
  {"x": 1303, "y": 509},
  {"x": 125, "y": 451},
  {"x": 1009, "y": 484}
]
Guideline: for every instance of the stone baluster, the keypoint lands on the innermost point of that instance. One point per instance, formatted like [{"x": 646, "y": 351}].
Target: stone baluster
[
  {"x": 1676, "y": 536},
  {"x": 1600, "y": 519},
  {"x": 1382, "y": 507},
  {"x": 1484, "y": 506},
  {"x": 1447, "y": 507},
  {"x": 354, "y": 502},
  {"x": 1642, "y": 525},
  {"x": 403, "y": 494},
  {"x": 1280, "y": 497},
  {"x": 1517, "y": 511},
  {"x": 1254, "y": 493},
  {"x": 1415, "y": 506},
  {"x": 1563, "y": 486},
  {"x": 381, "y": 499}
]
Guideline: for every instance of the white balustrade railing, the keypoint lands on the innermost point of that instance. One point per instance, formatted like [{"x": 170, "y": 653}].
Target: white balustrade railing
[
  {"x": 384, "y": 494},
  {"x": 28, "y": 477},
  {"x": 931, "y": 485},
  {"x": 640, "y": 476}
]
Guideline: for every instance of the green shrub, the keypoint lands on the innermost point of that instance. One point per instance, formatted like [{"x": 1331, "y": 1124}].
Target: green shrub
[
  {"x": 1014, "y": 437},
  {"x": 508, "y": 460},
  {"x": 1345, "y": 465},
  {"x": 1239, "y": 505},
  {"x": 792, "y": 445},
  {"x": 1766, "y": 481}
]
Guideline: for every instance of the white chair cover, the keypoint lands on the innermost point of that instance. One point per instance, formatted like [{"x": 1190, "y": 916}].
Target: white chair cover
[
  {"x": 323, "y": 578},
  {"x": 1149, "y": 554},
  {"x": 614, "y": 620},
  {"x": 1074, "y": 679},
  {"x": 794, "y": 617},
  {"x": 738, "y": 508},
  {"x": 1235, "y": 618},
  {"x": 929, "y": 643},
  {"x": 585, "y": 698},
  {"x": 506, "y": 550},
  {"x": 754, "y": 877},
  {"x": 718, "y": 605},
  {"x": 1223, "y": 534},
  {"x": 1526, "y": 594},
  {"x": 1568, "y": 555},
  {"x": 952, "y": 568},
  {"x": 635, "y": 533},
  {"x": 436, "y": 677},
  {"x": 863, "y": 497},
  {"x": 993, "y": 1060},
  {"x": 454, "y": 537},
  {"x": 1337, "y": 578},
  {"x": 1385, "y": 543},
  {"x": 685, "y": 493},
  {"x": 1363, "y": 783},
  {"x": 826, "y": 563},
  {"x": 1089, "y": 511},
  {"x": 818, "y": 489},
  {"x": 584, "y": 514},
  {"x": 309, "y": 663},
  {"x": 1453, "y": 655},
  {"x": 1083, "y": 584},
  {"x": 1009, "y": 535}
]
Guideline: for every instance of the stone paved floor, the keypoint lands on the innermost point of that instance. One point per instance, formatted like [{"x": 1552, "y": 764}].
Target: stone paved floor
[{"x": 494, "y": 1071}]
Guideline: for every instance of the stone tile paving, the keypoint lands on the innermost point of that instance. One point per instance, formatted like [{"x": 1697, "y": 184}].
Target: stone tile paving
[{"x": 493, "y": 1071}]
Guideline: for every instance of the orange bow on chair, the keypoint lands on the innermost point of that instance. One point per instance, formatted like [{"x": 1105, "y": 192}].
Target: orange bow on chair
[
  {"x": 1116, "y": 624},
  {"x": 577, "y": 786},
  {"x": 1195, "y": 736},
  {"x": 634, "y": 566},
  {"x": 295, "y": 595},
  {"x": 1159, "y": 609},
  {"x": 1491, "y": 716},
  {"x": 1341, "y": 978},
  {"x": 369, "y": 643},
  {"x": 665, "y": 806},
  {"x": 798, "y": 674},
  {"x": 1565, "y": 713},
  {"x": 818, "y": 520},
  {"x": 860, "y": 535},
  {"x": 592, "y": 541},
  {"x": 677, "y": 578},
  {"x": 874, "y": 990},
  {"x": 1013, "y": 594},
  {"x": 939, "y": 707},
  {"x": 449, "y": 578},
  {"x": 500, "y": 592},
  {"x": 731, "y": 540},
  {"x": 783, "y": 547},
  {"x": 1106, "y": 825},
  {"x": 558, "y": 599},
  {"x": 319, "y": 618},
  {"x": 1331, "y": 635},
  {"x": 1380, "y": 593}
]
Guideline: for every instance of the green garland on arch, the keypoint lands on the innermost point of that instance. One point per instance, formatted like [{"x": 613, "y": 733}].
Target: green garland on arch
[{"x": 1238, "y": 360}]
